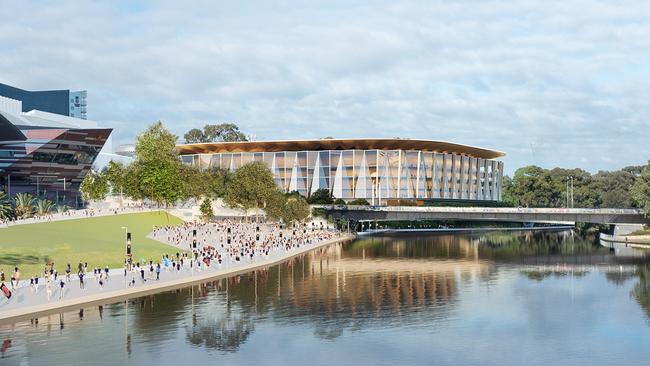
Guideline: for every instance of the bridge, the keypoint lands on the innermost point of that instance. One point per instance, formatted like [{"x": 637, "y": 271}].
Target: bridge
[{"x": 505, "y": 214}]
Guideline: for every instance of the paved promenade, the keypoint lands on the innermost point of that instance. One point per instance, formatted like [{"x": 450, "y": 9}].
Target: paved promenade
[{"x": 29, "y": 302}]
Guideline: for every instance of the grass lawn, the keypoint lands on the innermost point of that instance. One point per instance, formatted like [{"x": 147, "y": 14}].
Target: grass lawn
[{"x": 100, "y": 241}]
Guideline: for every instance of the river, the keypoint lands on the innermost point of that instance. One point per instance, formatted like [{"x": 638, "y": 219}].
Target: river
[{"x": 533, "y": 298}]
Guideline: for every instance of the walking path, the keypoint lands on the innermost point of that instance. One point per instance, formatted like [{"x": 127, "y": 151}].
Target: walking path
[
  {"x": 28, "y": 302},
  {"x": 74, "y": 215}
]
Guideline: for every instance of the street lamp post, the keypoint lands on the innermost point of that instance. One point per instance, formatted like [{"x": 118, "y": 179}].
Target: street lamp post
[
  {"x": 63, "y": 179},
  {"x": 569, "y": 191},
  {"x": 127, "y": 248}
]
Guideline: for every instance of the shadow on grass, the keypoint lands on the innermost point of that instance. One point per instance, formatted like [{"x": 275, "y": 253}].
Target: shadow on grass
[{"x": 14, "y": 258}]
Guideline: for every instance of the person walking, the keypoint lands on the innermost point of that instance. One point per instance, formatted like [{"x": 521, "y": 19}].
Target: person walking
[
  {"x": 15, "y": 278},
  {"x": 68, "y": 269},
  {"x": 157, "y": 271},
  {"x": 81, "y": 279},
  {"x": 62, "y": 285}
]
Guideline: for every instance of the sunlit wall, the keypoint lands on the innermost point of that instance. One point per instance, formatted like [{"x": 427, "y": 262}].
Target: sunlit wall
[{"x": 375, "y": 175}]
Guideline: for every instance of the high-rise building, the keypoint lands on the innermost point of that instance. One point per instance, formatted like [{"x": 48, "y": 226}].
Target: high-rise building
[{"x": 63, "y": 102}]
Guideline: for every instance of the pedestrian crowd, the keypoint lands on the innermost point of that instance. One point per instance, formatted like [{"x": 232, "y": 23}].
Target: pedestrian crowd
[{"x": 199, "y": 246}]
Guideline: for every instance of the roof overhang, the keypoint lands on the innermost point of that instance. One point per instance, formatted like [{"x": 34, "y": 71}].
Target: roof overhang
[{"x": 338, "y": 144}]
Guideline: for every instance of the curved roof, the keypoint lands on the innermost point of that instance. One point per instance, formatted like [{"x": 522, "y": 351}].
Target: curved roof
[{"x": 338, "y": 144}]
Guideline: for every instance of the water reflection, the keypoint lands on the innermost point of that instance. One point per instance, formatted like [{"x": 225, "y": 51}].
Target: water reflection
[
  {"x": 403, "y": 284},
  {"x": 641, "y": 290}
]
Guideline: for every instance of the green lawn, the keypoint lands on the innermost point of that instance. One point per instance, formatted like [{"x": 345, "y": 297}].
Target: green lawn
[{"x": 97, "y": 240}]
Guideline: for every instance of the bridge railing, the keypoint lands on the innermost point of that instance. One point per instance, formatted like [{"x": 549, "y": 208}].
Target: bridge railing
[{"x": 572, "y": 211}]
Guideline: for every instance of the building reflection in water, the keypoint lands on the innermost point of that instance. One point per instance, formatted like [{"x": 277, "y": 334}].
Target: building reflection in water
[{"x": 381, "y": 282}]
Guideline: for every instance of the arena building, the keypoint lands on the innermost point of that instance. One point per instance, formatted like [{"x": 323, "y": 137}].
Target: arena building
[
  {"x": 47, "y": 154},
  {"x": 378, "y": 170}
]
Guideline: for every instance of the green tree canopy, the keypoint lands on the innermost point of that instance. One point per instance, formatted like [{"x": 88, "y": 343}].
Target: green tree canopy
[
  {"x": 115, "y": 174},
  {"x": 287, "y": 207},
  {"x": 155, "y": 172},
  {"x": 321, "y": 196},
  {"x": 339, "y": 201},
  {"x": 94, "y": 187},
  {"x": 533, "y": 186},
  {"x": 641, "y": 190},
  {"x": 206, "y": 208},
  {"x": 194, "y": 135},
  {"x": 215, "y": 132},
  {"x": 250, "y": 187}
]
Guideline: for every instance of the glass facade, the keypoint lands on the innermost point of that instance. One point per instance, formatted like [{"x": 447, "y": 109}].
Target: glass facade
[
  {"x": 375, "y": 175},
  {"x": 47, "y": 161}
]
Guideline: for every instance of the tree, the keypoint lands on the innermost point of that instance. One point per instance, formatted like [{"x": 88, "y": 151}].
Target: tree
[
  {"x": 275, "y": 206},
  {"x": 287, "y": 207},
  {"x": 6, "y": 211},
  {"x": 94, "y": 187},
  {"x": 297, "y": 209},
  {"x": 115, "y": 174},
  {"x": 196, "y": 182},
  {"x": 23, "y": 205},
  {"x": 251, "y": 186},
  {"x": 206, "y": 209},
  {"x": 155, "y": 172},
  {"x": 44, "y": 206},
  {"x": 613, "y": 188},
  {"x": 223, "y": 132},
  {"x": 360, "y": 202},
  {"x": 339, "y": 201},
  {"x": 218, "y": 179},
  {"x": 640, "y": 190},
  {"x": 230, "y": 132},
  {"x": 321, "y": 196},
  {"x": 194, "y": 136},
  {"x": 227, "y": 132}
]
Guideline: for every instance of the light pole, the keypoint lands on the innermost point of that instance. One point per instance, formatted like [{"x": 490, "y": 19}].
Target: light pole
[
  {"x": 63, "y": 179},
  {"x": 127, "y": 241},
  {"x": 569, "y": 191}
]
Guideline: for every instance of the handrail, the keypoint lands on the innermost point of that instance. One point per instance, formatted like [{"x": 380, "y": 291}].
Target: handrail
[{"x": 573, "y": 211}]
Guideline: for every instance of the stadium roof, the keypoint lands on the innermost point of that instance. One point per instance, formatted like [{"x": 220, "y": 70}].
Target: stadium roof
[{"x": 338, "y": 144}]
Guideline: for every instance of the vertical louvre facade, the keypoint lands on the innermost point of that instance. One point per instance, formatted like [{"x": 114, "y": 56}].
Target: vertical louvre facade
[{"x": 372, "y": 174}]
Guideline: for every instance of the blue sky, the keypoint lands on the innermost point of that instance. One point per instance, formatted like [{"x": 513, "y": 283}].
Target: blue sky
[{"x": 552, "y": 83}]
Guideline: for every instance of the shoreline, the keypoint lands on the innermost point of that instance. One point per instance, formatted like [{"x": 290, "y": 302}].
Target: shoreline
[
  {"x": 35, "y": 311},
  {"x": 627, "y": 240}
]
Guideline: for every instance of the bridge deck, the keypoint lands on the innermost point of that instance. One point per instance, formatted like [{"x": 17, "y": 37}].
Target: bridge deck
[{"x": 550, "y": 215}]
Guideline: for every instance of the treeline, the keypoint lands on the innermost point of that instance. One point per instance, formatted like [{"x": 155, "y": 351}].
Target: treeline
[
  {"x": 157, "y": 174},
  {"x": 532, "y": 186}
]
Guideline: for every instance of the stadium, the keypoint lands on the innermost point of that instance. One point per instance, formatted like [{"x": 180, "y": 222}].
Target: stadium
[{"x": 376, "y": 169}]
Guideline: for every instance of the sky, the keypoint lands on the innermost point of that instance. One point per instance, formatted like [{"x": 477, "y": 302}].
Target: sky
[{"x": 551, "y": 83}]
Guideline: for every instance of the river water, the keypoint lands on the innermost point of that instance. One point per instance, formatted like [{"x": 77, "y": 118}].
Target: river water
[{"x": 490, "y": 299}]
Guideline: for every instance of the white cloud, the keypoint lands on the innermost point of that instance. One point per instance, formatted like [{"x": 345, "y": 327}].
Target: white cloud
[{"x": 553, "y": 83}]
